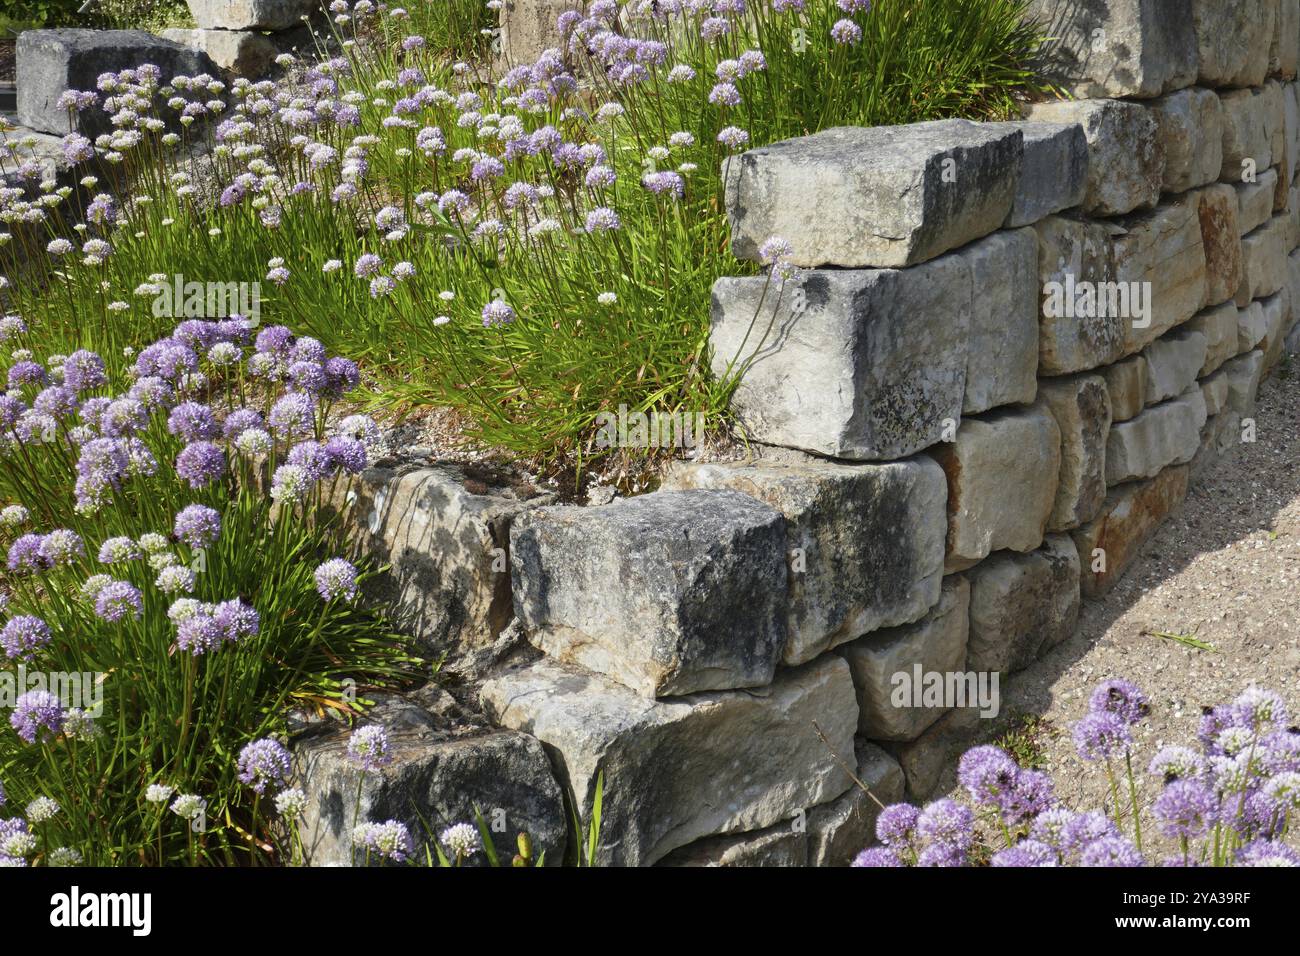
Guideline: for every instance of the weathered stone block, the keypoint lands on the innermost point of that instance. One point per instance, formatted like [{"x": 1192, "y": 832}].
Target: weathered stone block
[
  {"x": 781, "y": 846},
  {"x": 1163, "y": 435},
  {"x": 1075, "y": 258},
  {"x": 880, "y": 196},
  {"x": 858, "y": 364},
  {"x": 884, "y": 666},
  {"x": 1252, "y": 327},
  {"x": 444, "y": 533},
  {"x": 1164, "y": 252},
  {"x": 1284, "y": 50},
  {"x": 1126, "y": 383},
  {"x": 1219, "y": 326},
  {"x": 1117, "y": 47},
  {"x": 1255, "y": 201},
  {"x": 241, "y": 52},
  {"x": 1264, "y": 255},
  {"x": 1221, "y": 242},
  {"x": 1277, "y": 318},
  {"x": 250, "y": 14},
  {"x": 1022, "y": 605},
  {"x": 1081, "y": 407},
  {"x": 838, "y": 831},
  {"x": 436, "y": 778},
  {"x": 1004, "y": 456},
  {"x": 1233, "y": 40},
  {"x": 52, "y": 61},
  {"x": 1248, "y": 117},
  {"x": 843, "y": 584},
  {"x": 528, "y": 29},
  {"x": 1132, "y": 513},
  {"x": 1214, "y": 388},
  {"x": 1055, "y": 171},
  {"x": 1126, "y": 161},
  {"x": 1173, "y": 362},
  {"x": 1003, "y": 353},
  {"x": 1190, "y": 127},
  {"x": 925, "y": 759},
  {"x": 669, "y": 593},
  {"x": 737, "y": 761},
  {"x": 1244, "y": 373}
]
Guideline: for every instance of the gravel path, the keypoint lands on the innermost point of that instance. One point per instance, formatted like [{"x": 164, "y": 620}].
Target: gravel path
[{"x": 1226, "y": 568}]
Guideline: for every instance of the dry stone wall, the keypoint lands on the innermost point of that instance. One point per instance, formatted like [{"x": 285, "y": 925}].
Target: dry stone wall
[{"x": 1009, "y": 349}]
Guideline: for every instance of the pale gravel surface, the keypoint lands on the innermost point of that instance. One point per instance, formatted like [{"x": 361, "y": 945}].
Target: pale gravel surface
[{"x": 1226, "y": 566}]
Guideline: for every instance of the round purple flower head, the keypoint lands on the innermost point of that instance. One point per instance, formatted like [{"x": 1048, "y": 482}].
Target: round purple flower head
[
  {"x": 192, "y": 421},
  {"x": 23, "y": 636},
  {"x": 1122, "y": 698},
  {"x": 497, "y": 312},
  {"x": 948, "y": 823},
  {"x": 116, "y": 600},
  {"x": 896, "y": 824},
  {"x": 1101, "y": 734},
  {"x": 293, "y": 415},
  {"x": 235, "y": 619},
  {"x": 62, "y": 546},
  {"x": 201, "y": 463},
  {"x": 25, "y": 554},
  {"x": 84, "y": 370},
  {"x": 1185, "y": 808},
  {"x": 37, "y": 713},
  {"x": 1111, "y": 851},
  {"x": 198, "y": 634},
  {"x": 877, "y": 856},
  {"x": 988, "y": 773},
  {"x": 1026, "y": 853},
  {"x": 1086, "y": 828},
  {"x": 1030, "y": 794},
  {"x": 368, "y": 748},
  {"x": 336, "y": 578},
  {"x": 197, "y": 525},
  {"x": 1267, "y": 853},
  {"x": 263, "y": 761},
  {"x": 389, "y": 840}
]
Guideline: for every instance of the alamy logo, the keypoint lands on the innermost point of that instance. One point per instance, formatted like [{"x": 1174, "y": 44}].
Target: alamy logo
[
  {"x": 949, "y": 689},
  {"x": 74, "y": 909},
  {"x": 653, "y": 430},
  {"x": 82, "y": 689},
  {"x": 180, "y": 299},
  {"x": 1098, "y": 300}
]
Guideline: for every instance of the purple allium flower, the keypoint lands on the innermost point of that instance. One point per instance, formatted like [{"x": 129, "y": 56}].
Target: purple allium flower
[
  {"x": 389, "y": 840},
  {"x": 846, "y": 32},
  {"x": 124, "y": 416},
  {"x": 946, "y": 822},
  {"x": 368, "y": 748},
  {"x": 37, "y": 713},
  {"x": 263, "y": 761},
  {"x": 235, "y": 619},
  {"x": 714, "y": 27},
  {"x": 942, "y": 855},
  {"x": 896, "y": 824},
  {"x": 1026, "y": 853},
  {"x": 733, "y": 137},
  {"x": 336, "y": 578},
  {"x": 988, "y": 774},
  {"x": 312, "y": 458},
  {"x": 198, "y": 633},
  {"x": 56, "y": 401},
  {"x": 197, "y": 525},
  {"x": 600, "y": 176},
  {"x": 23, "y": 636},
  {"x": 877, "y": 856},
  {"x": 201, "y": 463},
  {"x": 116, "y": 600},
  {"x": 26, "y": 372},
  {"x": 1265, "y": 709},
  {"x": 341, "y": 376},
  {"x": 665, "y": 182},
  {"x": 290, "y": 483},
  {"x": 307, "y": 377},
  {"x": 1101, "y": 734},
  {"x": 1185, "y": 808},
  {"x": 276, "y": 339},
  {"x": 192, "y": 421},
  {"x": 497, "y": 313},
  {"x": 724, "y": 94},
  {"x": 1111, "y": 851},
  {"x": 241, "y": 420},
  {"x": 62, "y": 546},
  {"x": 1050, "y": 827},
  {"x": 25, "y": 554},
  {"x": 1267, "y": 853},
  {"x": 1086, "y": 828},
  {"x": 1122, "y": 698},
  {"x": 854, "y": 6},
  {"x": 1030, "y": 794},
  {"x": 602, "y": 219},
  {"x": 1176, "y": 763},
  {"x": 347, "y": 453},
  {"x": 175, "y": 579},
  {"x": 1213, "y": 724},
  {"x": 293, "y": 415},
  {"x": 1280, "y": 751}
]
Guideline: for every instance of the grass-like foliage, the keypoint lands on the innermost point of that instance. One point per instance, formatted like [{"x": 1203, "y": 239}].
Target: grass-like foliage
[
  {"x": 174, "y": 587},
  {"x": 531, "y": 249}
]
